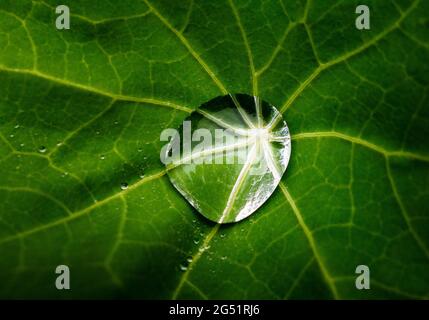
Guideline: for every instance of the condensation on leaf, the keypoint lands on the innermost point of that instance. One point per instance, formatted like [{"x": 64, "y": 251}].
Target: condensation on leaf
[
  {"x": 42, "y": 149},
  {"x": 228, "y": 157}
]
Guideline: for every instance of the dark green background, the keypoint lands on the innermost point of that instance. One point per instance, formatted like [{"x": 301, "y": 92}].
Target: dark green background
[{"x": 98, "y": 95}]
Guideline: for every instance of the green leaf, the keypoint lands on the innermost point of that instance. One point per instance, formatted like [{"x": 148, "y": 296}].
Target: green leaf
[
  {"x": 228, "y": 158},
  {"x": 96, "y": 98}
]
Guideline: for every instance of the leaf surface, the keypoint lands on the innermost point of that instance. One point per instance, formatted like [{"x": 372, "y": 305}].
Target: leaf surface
[{"x": 95, "y": 99}]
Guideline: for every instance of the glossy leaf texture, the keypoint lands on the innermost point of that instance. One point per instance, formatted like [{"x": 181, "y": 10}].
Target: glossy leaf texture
[
  {"x": 82, "y": 110},
  {"x": 229, "y": 156}
]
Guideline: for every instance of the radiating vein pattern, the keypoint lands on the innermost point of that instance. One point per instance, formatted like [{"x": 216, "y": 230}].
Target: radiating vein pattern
[{"x": 82, "y": 110}]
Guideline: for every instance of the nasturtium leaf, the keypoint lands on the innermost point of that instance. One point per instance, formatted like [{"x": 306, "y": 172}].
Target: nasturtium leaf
[
  {"x": 81, "y": 181},
  {"x": 229, "y": 156}
]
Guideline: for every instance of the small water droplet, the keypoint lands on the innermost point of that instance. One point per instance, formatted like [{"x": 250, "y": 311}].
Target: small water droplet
[
  {"x": 102, "y": 157},
  {"x": 42, "y": 149},
  {"x": 12, "y": 135},
  {"x": 124, "y": 185},
  {"x": 204, "y": 248},
  {"x": 59, "y": 144},
  {"x": 222, "y": 235},
  {"x": 144, "y": 158},
  {"x": 196, "y": 240},
  {"x": 116, "y": 122},
  {"x": 141, "y": 175},
  {"x": 21, "y": 145},
  {"x": 139, "y": 149},
  {"x": 17, "y": 126},
  {"x": 189, "y": 259},
  {"x": 97, "y": 132},
  {"x": 223, "y": 258},
  {"x": 183, "y": 267}
]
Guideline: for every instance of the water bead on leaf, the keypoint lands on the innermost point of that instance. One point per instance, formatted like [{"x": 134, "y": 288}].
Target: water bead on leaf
[{"x": 229, "y": 156}]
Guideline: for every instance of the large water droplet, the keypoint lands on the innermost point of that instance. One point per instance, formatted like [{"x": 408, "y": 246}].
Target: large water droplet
[{"x": 230, "y": 177}]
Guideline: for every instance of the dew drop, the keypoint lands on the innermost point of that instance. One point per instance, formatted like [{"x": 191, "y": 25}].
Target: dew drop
[
  {"x": 223, "y": 258},
  {"x": 139, "y": 149},
  {"x": 189, "y": 259},
  {"x": 204, "y": 248},
  {"x": 102, "y": 157},
  {"x": 141, "y": 175},
  {"x": 17, "y": 126},
  {"x": 124, "y": 185},
  {"x": 263, "y": 134},
  {"x": 42, "y": 149},
  {"x": 116, "y": 122},
  {"x": 183, "y": 267},
  {"x": 222, "y": 235},
  {"x": 21, "y": 145},
  {"x": 196, "y": 240}
]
